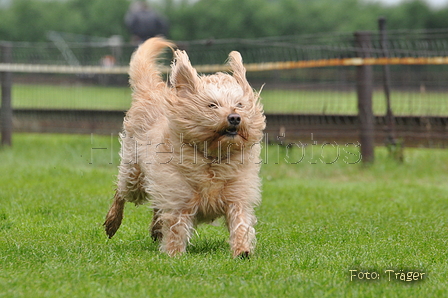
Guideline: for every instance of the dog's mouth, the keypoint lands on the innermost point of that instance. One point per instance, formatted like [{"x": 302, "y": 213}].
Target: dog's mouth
[{"x": 230, "y": 131}]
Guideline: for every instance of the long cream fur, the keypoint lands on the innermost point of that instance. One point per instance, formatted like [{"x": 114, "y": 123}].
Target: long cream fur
[{"x": 178, "y": 154}]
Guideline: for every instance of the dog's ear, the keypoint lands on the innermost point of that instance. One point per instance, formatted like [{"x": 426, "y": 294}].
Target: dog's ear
[
  {"x": 239, "y": 72},
  {"x": 183, "y": 76}
]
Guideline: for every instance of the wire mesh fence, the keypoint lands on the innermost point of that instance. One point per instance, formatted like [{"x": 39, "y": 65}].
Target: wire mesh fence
[
  {"x": 418, "y": 88},
  {"x": 71, "y": 49}
]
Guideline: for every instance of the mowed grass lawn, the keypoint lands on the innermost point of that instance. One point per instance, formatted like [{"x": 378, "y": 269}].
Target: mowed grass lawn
[
  {"x": 317, "y": 222},
  {"x": 274, "y": 101}
]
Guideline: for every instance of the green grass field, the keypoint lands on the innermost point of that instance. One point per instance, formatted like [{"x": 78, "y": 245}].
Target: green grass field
[
  {"x": 275, "y": 101},
  {"x": 317, "y": 221}
]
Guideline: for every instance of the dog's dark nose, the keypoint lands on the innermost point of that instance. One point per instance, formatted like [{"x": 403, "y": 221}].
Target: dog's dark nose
[{"x": 234, "y": 119}]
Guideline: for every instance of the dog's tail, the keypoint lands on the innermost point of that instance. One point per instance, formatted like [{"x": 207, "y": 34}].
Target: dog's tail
[{"x": 144, "y": 70}]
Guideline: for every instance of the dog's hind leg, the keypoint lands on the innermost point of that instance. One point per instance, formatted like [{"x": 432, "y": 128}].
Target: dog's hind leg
[
  {"x": 156, "y": 226},
  {"x": 115, "y": 215}
]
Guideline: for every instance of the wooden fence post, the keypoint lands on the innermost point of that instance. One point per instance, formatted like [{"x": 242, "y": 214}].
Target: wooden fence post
[
  {"x": 6, "y": 83},
  {"x": 364, "y": 88}
]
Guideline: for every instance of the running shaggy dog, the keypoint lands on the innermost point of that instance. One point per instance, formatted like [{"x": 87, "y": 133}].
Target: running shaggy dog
[{"x": 191, "y": 149}]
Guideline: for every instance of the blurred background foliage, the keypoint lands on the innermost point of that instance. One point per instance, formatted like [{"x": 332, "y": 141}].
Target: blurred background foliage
[{"x": 29, "y": 20}]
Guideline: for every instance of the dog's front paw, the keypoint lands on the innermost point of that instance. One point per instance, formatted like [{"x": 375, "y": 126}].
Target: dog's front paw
[
  {"x": 242, "y": 254},
  {"x": 174, "y": 252},
  {"x": 245, "y": 255}
]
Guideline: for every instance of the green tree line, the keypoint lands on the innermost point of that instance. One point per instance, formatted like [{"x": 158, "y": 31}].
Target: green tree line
[{"x": 29, "y": 20}]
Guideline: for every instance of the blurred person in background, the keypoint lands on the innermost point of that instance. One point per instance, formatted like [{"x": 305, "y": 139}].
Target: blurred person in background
[{"x": 144, "y": 23}]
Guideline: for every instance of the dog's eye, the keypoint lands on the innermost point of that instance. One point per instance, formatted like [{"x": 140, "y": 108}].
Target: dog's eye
[
  {"x": 213, "y": 106},
  {"x": 239, "y": 105}
]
